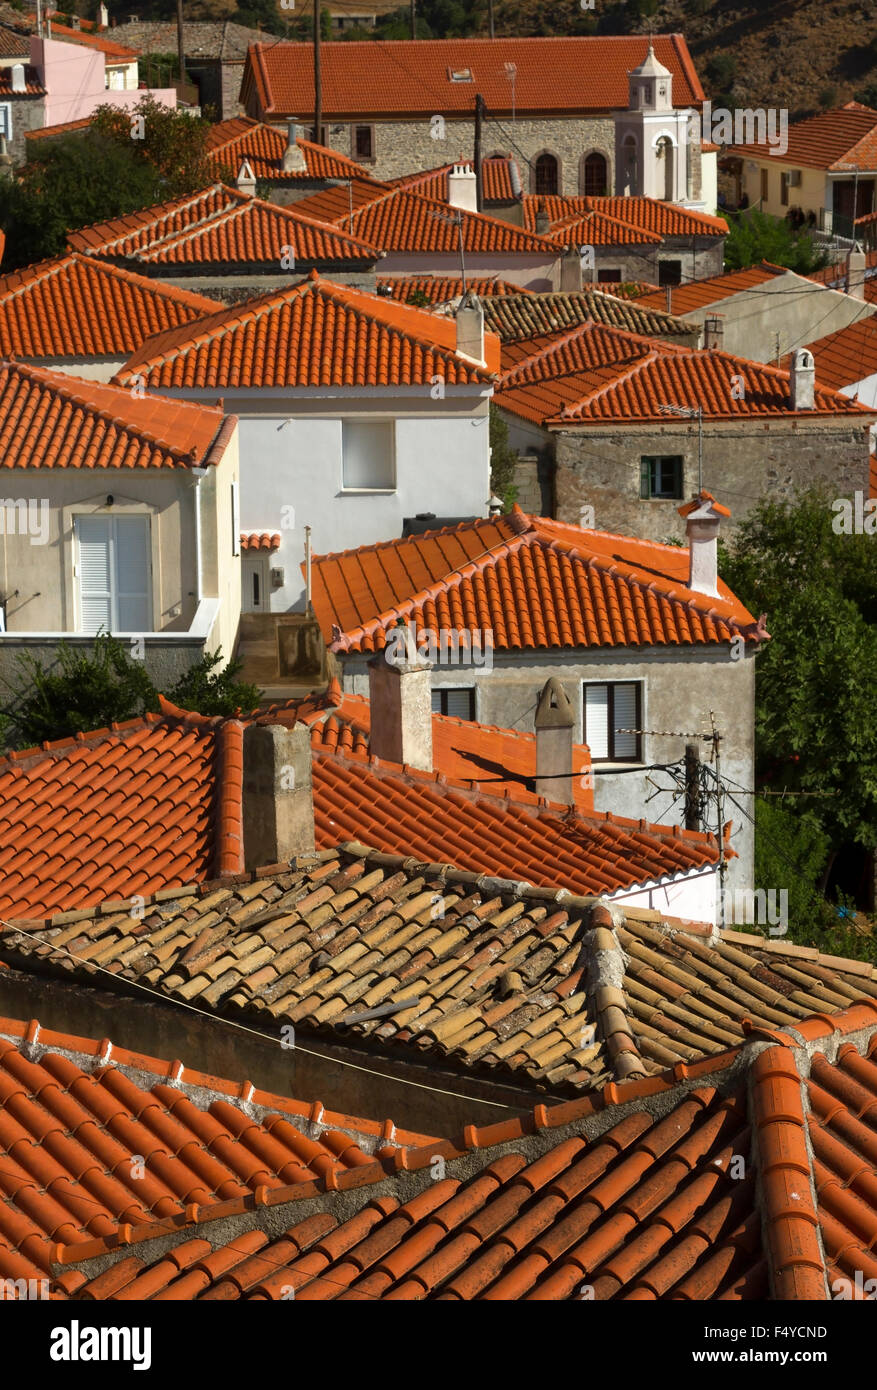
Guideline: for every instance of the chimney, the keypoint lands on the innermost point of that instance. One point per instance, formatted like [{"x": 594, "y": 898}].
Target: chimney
[
  {"x": 802, "y": 377},
  {"x": 19, "y": 83},
  {"x": 463, "y": 188},
  {"x": 246, "y": 180},
  {"x": 570, "y": 270},
  {"x": 703, "y": 516},
  {"x": 543, "y": 221},
  {"x": 293, "y": 160},
  {"x": 399, "y": 691},
  {"x": 713, "y": 333},
  {"x": 103, "y": 16},
  {"x": 555, "y": 722},
  {"x": 470, "y": 328},
  {"x": 278, "y": 802},
  {"x": 75, "y": 21},
  {"x": 515, "y": 178},
  {"x": 856, "y": 263}
]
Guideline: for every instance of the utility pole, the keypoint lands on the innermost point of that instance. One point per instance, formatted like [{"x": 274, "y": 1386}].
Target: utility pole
[
  {"x": 479, "y": 117},
  {"x": 692, "y": 787},
  {"x": 181, "y": 50},
  {"x": 413, "y": 19},
  {"x": 318, "y": 81},
  {"x": 490, "y": 17}
]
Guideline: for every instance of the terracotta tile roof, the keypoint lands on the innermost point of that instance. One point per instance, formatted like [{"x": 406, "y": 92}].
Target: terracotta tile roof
[
  {"x": 64, "y": 128},
  {"x": 521, "y": 316},
  {"x": 334, "y": 204},
  {"x": 537, "y": 584},
  {"x": 231, "y": 142},
  {"x": 113, "y": 52},
  {"x": 847, "y": 356},
  {"x": 835, "y": 275},
  {"x": 496, "y": 174},
  {"x": 625, "y": 289},
  {"x": 413, "y": 77},
  {"x": 685, "y": 299},
  {"x": 332, "y": 335},
  {"x": 77, "y": 306},
  {"x": 76, "y": 1114},
  {"x": 13, "y": 45},
  {"x": 441, "y": 289},
  {"x": 32, "y": 85},
  {"x": 54, "y": 420},
  {"x": 617, "y": 221},
  {"x": 224, "y": 227},
  {"x": 403, "y": 221},
  {"x": 843, "y": 138},
  {"x": 664, "y": 219},
  {"x": 155, "y": 223},
  {"x": 551, "y": 388},
  {"x": 594, "y": 228},
  {"x": 260, "y": 540}
]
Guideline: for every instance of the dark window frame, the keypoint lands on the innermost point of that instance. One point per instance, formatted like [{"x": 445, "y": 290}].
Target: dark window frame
[
  {"x": 663, "y": 278},
  {"x": 586, "y": 159},
  {"x": 647, "y": 490},
  {"x": 354, "y": 150},
  {"x": 441, "y": 694},
  {"x": 558, "y": 175},
  {"x": 610, "y": 687}
]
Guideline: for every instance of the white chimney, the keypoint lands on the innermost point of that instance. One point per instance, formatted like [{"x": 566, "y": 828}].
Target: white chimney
[
  {"x": 554, "y": 724},
  {"x": 463, "y": 188},
  {"x": 293, "y": 160},
  {"x": 856, "y": 264},
  {"x": 18, "y": 79},
  {"x": 470, "y": 328},
  {"x": 713, "y": 333},
  {"x": 103, "y": 16},
  {"x": 278, "y": 800},
  {"x": 802, "y": 379},
  {"x": 246, "y": 179},
  {"x": 400, "y": 699},
  {"x": 703, "y": 516}
]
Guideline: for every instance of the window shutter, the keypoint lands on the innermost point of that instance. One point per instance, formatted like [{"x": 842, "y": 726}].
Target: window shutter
[
  {"x": 645, "y": 477},
  {"x": 131, "y": 546},
  {"x": 625, "y": 718},
  {"x": 597, "y": 720},
  {"x": 95, "y": 583},
  {"x": 436, "y": 702},
  {"x": 459, "y": 703}
]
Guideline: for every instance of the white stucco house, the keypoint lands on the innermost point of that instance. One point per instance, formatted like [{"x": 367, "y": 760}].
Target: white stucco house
[{"x": 356, "y": 412}]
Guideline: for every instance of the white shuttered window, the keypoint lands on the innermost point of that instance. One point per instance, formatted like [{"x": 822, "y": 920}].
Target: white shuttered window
[
  {"x": 113, "y": 574},
  {"x": 611, "y": 706}
]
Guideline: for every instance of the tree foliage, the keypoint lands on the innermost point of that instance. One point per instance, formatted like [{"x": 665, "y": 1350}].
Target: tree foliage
[
  {"x": 92, "y": 688},
  {"x": 755, "y": 236},
  {"x": 502, "y": 460}
]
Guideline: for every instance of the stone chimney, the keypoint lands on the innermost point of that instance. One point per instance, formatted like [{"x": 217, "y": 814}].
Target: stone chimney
[
  {"x": 515, "y": 178},
  {"x": 470, "y": 328},
  {"x": 713, "y": 332},
  {"x": 570, "y": 270},
  {"x": 399, "y": 689},
  {"x": 246, "y": 180},
  {"x": 278, "y": 801},
  {"x": 555, "y": 725},
  {"x": 19, "y": 82},
  {"x": 543, "y": 221},
  {"x": 293, "y": 160},
  {"x": 703, "y": 516},
  {"x": 76, "y": 21},
  {"x": 463, "y": 188},
  {"x": 856, "y": 263},
  {"x": 802, "y": 378}
]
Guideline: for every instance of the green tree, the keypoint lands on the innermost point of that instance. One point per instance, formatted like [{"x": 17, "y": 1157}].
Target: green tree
[
  {"x": 166, "y": 140},
  {"x": 754, "y": 236},
  {"x": 89, "y": 689},
  {"x": 502, "y": 460}
]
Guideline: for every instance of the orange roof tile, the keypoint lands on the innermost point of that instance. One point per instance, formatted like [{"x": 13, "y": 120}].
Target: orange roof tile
[
  {"x": 616, "y": 221},
  {"x": 54, "y": 420},
  {"x": 79, "y": 306},
  {"x": 32, "y": 86},
  {"x": 230, "y": 142},
  {"x": 404, "y": 221},
  {"x": 532, "y": 582},
  {"x": 698, "y": 294},
  {"x": 847, "y": 356},
  {"x": 112, "y": 51},
  {"x": 496, "y": 175},
  {"x": 63, "y": 128},
  {"x": 835, "y": 275},
  {"x": 568, "y": 381},
  {"x": 333, "y": 335},
  {"x": 260, "y": 540},
  {"x": 334, "y": 203},
  {"x": 843, "y": 138},
  {"x": 226, "y": 227},
  {"x": 203, "y": 1142},
  {"x": 442, "y": 289},
  {"x": 413, "y": 77}
]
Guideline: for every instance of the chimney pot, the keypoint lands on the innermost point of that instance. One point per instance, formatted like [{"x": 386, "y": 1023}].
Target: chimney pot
[
  {"x": 246, "y": 179},
  {"x": 400, "y": 699},
  {"x": 19, "y": 82},
  {"x": 555, "y": 725},
  {"x": 470, "y": 328},
  {"x": 802, "y": 380},
  {"x": 293, "y": 160},
  {"x": 703, "y": 516},
  {"x": 856, "y": 264},
  {"x": 278, "y": 800},
  {"x": 543, "y": 221},
  {"x": 463, "y": 188}
]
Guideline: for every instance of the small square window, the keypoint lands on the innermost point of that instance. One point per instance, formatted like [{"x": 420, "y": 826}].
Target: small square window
[
  {"x": 367, "y": 455},
  {"x": 612, "y": 276},
  {"x": 669, "y": 273},
  {"x": 661, "y": 476},
  {"x": 459, "y": 702},
  {"x": 460, "y": 74}
]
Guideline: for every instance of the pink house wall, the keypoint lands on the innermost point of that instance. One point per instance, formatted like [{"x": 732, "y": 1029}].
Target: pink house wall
[{"x": 74, "y": 80}]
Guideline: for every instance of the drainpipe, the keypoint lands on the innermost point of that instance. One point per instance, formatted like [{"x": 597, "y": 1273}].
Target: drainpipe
[
  {"x": 198, "y": 474},
  {"x": 308, "y": 571}
]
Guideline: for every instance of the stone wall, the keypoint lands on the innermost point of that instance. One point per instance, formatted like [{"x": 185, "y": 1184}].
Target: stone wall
[
  {"x": 741, "y": 462},
  {"x": 28, "y": 113}
]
